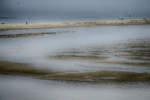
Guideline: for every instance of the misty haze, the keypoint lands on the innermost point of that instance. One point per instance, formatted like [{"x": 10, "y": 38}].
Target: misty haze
[
  {"x": 72, "y": 10},
  {"x": 74, "y": 49}
]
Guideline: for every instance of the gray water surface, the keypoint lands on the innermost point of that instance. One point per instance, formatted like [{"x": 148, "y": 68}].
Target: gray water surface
[
  {"x": 82, "y": 49},
  {"x": 21, "y": 88},
  {"x": 113, "y": 48}
]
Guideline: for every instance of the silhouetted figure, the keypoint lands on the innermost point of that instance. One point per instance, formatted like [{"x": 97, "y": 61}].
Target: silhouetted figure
[{"x": 26, "y": 22}]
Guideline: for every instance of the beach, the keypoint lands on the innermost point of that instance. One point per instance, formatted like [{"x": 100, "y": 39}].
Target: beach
[
  {"x": 73, "y": 24},
  {"x": 75, "y": 60}
]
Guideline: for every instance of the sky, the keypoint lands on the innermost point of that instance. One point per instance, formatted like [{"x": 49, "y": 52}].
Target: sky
[{"x": 85, "y": 8}]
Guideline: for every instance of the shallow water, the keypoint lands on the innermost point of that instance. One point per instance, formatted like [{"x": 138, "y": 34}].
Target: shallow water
[
  {"x": 114, "y": 48},
  {"x": 21, "y": 88},
  {"x": 82, "y": 49}
]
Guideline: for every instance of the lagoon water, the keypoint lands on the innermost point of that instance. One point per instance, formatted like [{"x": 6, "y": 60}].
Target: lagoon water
[
  {"x": 21, "y": 88},
  {"x": 119, "y": 48},
  {"x": 78, "y": 49}
]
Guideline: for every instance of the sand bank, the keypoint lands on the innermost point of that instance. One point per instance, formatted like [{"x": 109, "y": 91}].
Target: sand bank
[
  {"x": 18, "y": 69},
  {"x": 73, "y": 24},
  {"x": 25, "y": 34}
]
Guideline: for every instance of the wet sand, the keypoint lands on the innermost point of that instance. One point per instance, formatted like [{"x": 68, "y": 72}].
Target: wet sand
[
  {"x": 106, "y": 62},
  {"x": 73, "y": 24},
  {"x": 25, "y": 34},
  {"x": 19, "y": 69},
  {"x": 107, "y": 54}
]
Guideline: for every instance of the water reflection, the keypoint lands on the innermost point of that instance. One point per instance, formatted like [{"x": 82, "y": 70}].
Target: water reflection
[
  {"x": 21, "y": 88},
  {"x": 119, "y": 48},
  {"x": 86, "y": 49}
]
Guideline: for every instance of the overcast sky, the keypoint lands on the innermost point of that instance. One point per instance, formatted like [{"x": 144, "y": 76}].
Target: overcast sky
[{"x": 75, "y": 7}]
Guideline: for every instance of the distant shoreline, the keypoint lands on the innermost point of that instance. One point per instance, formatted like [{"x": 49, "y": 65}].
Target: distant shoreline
[{"x": 73, "y": 24}]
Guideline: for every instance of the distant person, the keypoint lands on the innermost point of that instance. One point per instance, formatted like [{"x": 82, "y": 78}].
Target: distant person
[{"x": 26, "y": 22}]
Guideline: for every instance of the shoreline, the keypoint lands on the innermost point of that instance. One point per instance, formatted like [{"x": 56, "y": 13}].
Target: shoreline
[
  {"x": 25, "y": 34},
  {"x": 20, "y": 69},
  {"x": 73, "y": 24}
]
